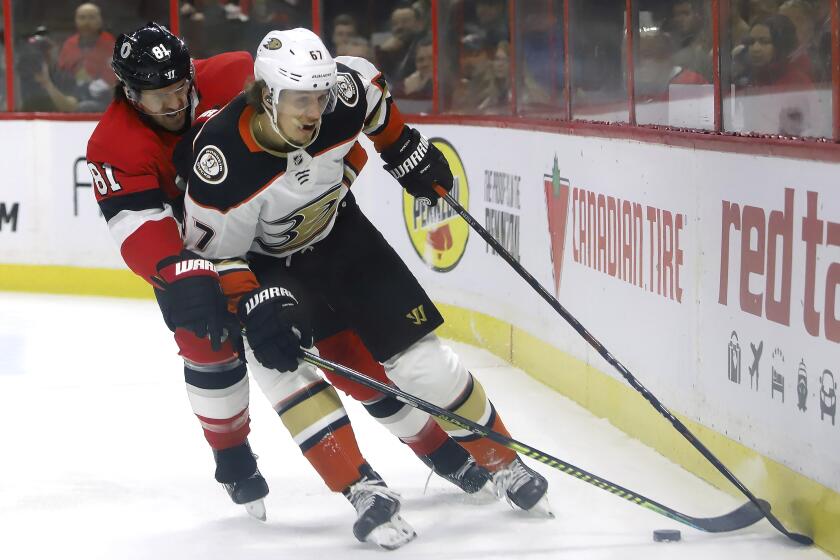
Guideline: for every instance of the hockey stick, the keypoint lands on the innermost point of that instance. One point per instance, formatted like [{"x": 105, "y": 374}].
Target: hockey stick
[
  {"x": 649, "y": 397},
  {"x": 744, "y": 516}
]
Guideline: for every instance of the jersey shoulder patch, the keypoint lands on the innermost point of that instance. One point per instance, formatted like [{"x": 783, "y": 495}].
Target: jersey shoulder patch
[
  {"x": 211, "y": 165},
  {"x": 348, "y": 91}
]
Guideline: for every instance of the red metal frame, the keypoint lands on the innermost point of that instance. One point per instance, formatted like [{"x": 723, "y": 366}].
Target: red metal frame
[
  {"x": 718, "y": 103},
  {"x": 567, "y": 61},
  {"x": 835, "y": 68},
  {"x": 552, "y": 47},
  {"x": 435, "y": 54},
  {"x": 316, "y": 16},
  {"x": 512, "y": 62},
  {"x": 10, "y": 55},
  {"x": 174, "y": 17},
  {"x": 629, "y": 24}
]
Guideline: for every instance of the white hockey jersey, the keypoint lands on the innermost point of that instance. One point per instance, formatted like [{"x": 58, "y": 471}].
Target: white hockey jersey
[{"x": 242, "y": 198}]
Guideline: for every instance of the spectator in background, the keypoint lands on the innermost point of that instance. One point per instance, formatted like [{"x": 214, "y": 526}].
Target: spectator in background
[
  {"x": 419, "y": 83},
  {"x": 476, "y": 82},
  {"x": 770, "y": 44},
  {"x": 760, "y": 10},
  {"x": 803, "y": 15},
  {"x": 343, "y": 29},
  {"x": 491, "y": 18},
  {"x": 657, "y": 70},
  {"x": 396, "y": 55},
  {"x": 782, "y": 103},
  {"x": 738, "y": 27},
  {"x": 694, "y": 50},
  {"x": 355, "y": 46},
  {"x": 540, "y": 59},
  {"x": 81, "y": 79}
]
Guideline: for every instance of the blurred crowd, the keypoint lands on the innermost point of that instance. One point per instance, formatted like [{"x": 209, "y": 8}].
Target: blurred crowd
[{"x": 63, "y": 47}]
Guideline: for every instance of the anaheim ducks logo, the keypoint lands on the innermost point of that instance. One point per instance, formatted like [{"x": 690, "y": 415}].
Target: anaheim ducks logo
[
  {"x": 298, "y": 228},
  {"x": 273, "y": 44},
  {"x": 347, "y": 90},
  {"x": 438, "y": 234},
  {"x": 210, "y": 165}
]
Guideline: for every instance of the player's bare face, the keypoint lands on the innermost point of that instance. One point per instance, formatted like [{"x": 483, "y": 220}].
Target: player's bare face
[
  {"x": 299, "y": 114},
  {"x": 167, "y": 106}
]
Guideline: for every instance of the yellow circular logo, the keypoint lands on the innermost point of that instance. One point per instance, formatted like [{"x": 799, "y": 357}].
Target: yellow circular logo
[{"x": 439, "y": 234}]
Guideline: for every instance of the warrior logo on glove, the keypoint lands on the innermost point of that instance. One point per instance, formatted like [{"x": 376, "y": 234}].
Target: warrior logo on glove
[
  {"x": 275, "y": 327},
  {"x": 418, "y": 166},
  {"x": 265, "y": 295}
]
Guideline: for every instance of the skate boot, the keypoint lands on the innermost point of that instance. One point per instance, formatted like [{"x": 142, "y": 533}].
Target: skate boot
[
  {"x": 378, "y": 509},
  {"x": 236, "y": 469},
  {"x": 453, "y": 463},
  {"x": 523, "y": 487}
]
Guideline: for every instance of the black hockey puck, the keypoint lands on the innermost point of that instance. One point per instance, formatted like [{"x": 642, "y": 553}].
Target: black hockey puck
[{"x": 666, "y": 535}]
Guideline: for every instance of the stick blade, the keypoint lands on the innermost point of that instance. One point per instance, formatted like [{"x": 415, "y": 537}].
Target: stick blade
[{"x": 746, "y": 515}]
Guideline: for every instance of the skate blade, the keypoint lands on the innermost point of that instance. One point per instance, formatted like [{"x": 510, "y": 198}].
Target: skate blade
[
  {"x": 256, "y": 509},
  {"x": 541, "y": 509},
  {"x": 393, "y": 534},
  {"x": 486, "y": 495}
]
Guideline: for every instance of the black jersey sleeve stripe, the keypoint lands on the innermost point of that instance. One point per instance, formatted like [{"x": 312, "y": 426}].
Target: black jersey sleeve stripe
[{"x": 143, "y": 200}]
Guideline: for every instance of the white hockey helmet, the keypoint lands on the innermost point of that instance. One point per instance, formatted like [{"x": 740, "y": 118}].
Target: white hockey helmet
[{"x": 294, "y": 59}]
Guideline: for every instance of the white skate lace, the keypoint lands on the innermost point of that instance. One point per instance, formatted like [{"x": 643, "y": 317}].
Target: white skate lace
[
  {"x": 510, "y": 480},
  {"x": 457, "y": 475},
  {"x": 364, "y": 492}
]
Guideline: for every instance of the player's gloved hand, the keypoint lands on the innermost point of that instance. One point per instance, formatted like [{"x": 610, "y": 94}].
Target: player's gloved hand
[
  {"x": 193, "y": 298},
  {"x": 275, "y": 327},
  {"x": 418, "y": 165}
]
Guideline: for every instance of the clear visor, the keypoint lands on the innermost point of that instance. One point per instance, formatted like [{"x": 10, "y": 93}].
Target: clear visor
[
  {"x": 306, "y": 105},
  {"x": 170, "y": 100}
]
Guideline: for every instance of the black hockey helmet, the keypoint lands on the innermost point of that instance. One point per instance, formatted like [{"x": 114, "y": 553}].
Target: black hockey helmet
[{"x": 150, "y": 57}]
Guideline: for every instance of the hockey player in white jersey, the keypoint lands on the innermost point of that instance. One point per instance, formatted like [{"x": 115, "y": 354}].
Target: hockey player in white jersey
[{"x": 269, "y": 198}]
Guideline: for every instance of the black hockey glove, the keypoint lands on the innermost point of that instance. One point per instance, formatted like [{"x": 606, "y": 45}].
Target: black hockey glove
[
  {"x": 193, "y": 298},
  {"x": 418, "y": 165},
  {"x": 275, "y": 327}
]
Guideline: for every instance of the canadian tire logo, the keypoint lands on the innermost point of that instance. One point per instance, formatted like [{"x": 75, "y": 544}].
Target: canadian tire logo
[
  {"x": 438, "y": 234},
  {"x": 557, "y": 202}
]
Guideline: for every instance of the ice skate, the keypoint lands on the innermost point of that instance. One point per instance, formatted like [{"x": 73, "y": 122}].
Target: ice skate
[
  {"x": 524, "y": 488},
  {"x": 232, "y": 468},
  {"x": 470, "y": 477},
  {"x": 378, "y": 509}
]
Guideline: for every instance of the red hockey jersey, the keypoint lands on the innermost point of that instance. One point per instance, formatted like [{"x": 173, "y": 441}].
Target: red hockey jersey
[{"x": 133, "y": 173}]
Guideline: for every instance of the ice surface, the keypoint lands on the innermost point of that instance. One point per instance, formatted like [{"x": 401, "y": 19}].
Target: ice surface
[{"x": 103, "y": 459}]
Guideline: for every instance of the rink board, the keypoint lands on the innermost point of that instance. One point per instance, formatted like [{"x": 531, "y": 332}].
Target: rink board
[{"x": 706, "y": 274}]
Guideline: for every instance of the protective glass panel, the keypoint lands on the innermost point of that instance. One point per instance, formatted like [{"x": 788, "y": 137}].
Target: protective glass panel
[
  {"x": 538, "y": 43},
  {"x": 598, "y": 55},
  {"x": 474, "y": 54},
  {"x": 393, "y": 34},
  {"x": 673, "y": 63},
  {"x": 63, "y": 50},
  {"x": 3, "y": 79},
  {"x": 211, "y": 27},
  {"x": 776, "y": 66}
]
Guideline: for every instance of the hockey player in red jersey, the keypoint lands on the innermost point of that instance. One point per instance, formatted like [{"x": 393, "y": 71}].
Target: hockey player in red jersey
[
  {"x": 160, "y": 92},
  {"x": 269, "y": 199}
]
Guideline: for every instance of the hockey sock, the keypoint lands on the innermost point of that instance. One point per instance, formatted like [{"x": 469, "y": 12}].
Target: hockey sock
[
  {"x": 217, "y": 387},
  {"x": 320, "y": 426},
  {"x": 474, "y": 405}
]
